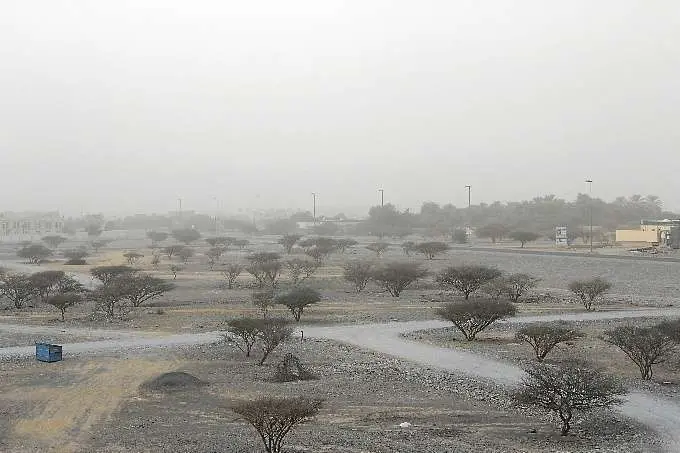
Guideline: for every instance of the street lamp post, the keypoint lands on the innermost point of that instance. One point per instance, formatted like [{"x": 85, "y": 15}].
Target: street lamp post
[
  {"x": 469, "y": 188},
  {"x": 314, "y": 208},
  {"x": 590, "y": 202},
  {"x": 382, "y": 197},
  {"x": 217, "y": 210}
]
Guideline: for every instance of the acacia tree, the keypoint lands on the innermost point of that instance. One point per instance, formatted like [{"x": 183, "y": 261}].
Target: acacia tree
[
  {"x": 288, "y": 241},
  {"x": 62, "y": 301},
  {"x": 301, "y": 269},
  {"x": 645, "y": 346},
  {"x": 472, "y": 317},
  {"x": 76, "y": 256},
  {"x": 263, "y": 300},
  {"x": 243, "y": 332},
  {"x": 358, "y": 273},
  {"x": 133, "y": 257},
  {"x": 273, "y": 333},
  {"x": 431, "y": 249},
  {"x": 34, "y": 253},
  {"x": 590, "y": 290},
  {"x": 185, "y": 253},
  {"x": 408, "y": 247},
  {"x": 467, "y": 278},
  {"x": 512, "y": 286},
  {"x": 111, "y": 298},
  {"x": 214, "y": 255},
  {"x": 140, "y": 288},
  {"x": 297, "y": 299},
  {"x": 186, "y": 235},
  {"x": 94, "y": 230},
  {"x": 524, "y": 236},
  {"x": 378, "y": 247},
  {"x": 107, "y": 273},
  {"x": 544, "y": 337},
  {"x": 54, "y": 241},
  {"x": 493, "y": 231},
  {"x": 459, "y": 236},
  {"x": 319, "y": 248},
  {"x": 273, "y": 418},
  {"x": 18, "y": 288},
  {"x": 397, "y": 276},
  {"x": 45, "y": 282},
  {"x": 231, "y": 272},
  {"x": 568, "y": 388},
  {"x": 241, "y": 243},
  {"x": 156, "y": 237},
  {"x": 99, "y": 243}
]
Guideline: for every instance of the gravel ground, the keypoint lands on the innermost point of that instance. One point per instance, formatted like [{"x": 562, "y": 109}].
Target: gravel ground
[{"x": 367, "y": 395}]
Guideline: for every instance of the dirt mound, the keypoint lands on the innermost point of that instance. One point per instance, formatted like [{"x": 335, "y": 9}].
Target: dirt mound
[{"x": 175, "y": 380}]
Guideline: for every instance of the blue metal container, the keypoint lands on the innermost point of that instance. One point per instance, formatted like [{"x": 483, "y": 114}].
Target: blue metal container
[{"x": 46, "y": 352}]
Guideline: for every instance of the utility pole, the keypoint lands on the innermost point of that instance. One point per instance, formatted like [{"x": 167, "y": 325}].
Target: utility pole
[
  {"x": 314, "y": 209},
  {"x": 382, "y": 197},
  {"x": 469, "y": 188},
  {"x": 217, "y": 210},
  {"x": 590, "y": 202},
  {"x": 180, "y": 207}
]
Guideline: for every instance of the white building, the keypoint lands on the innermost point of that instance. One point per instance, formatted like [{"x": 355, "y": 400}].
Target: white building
[{"x": 28, "y": 225}]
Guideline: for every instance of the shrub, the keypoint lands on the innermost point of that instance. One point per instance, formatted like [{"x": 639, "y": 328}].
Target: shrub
[
  {"x": 431, "y": 249},
  {"x": 472, "y": 317},
  {"x": 99, "y": 243},
  {"x": 156, "y": 237},
  {"x": 297, "y": 299},
  {"x": 34, "y": 253},
  {"x": 345, "y": 243},
  {"x": 568, "y": 388},
  {"x": 54, "y": 241},
  {"x": 408, "y": 247},
  {"x": 241, "y": 243},
  {"x": 544, "y": 337},
  {"x": 291, "y": 369},
  {"x": 646, "y": 346},
  {"x": 378, "y": 247},
  {"x": 76, "y": 256},
  {"x": 358, "y": 273},
  {"x": 589, "y": 290},
  {"x": 467, "y": 278},
  {"x": 133, "y": 257},
  {"x": 273, "y": 418},
  {"x": 396, "y": 277}
]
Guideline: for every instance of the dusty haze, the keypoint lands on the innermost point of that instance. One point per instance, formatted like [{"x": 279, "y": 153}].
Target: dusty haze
[{"x": 125, "y": 106}]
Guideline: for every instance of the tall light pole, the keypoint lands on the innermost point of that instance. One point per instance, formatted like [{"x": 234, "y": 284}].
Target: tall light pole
[
  {"x": 217, "y": 210},
  {"x": 469, "y": 188},
  {"x": 314, "y": 209},
  {"x": 382, "y": 197},
  {"x": 179, "y": 200},
  {"x": 590, "y": 202}
]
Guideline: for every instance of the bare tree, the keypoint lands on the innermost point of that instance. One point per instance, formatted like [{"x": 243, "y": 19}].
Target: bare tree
[
  {"x": 107, "y": 273},
  {"x": 244, "y": 333},
  {"x": 590, "y": 290},
  {"x": 214, "y": 255},
  {"x": 397, "y": 276},
  {"x": 467, "y": 278},
  {"x": 544, "y": 337},
  {"x": 263, "y": 300},
  {"x": 472, "y": 317},
  {"x": 297, "y": 299},
  {"x": 378, "y": 247},
  {"x": 568, "y": 388},
  {"x": 62, "y": 301},
  {"x": 54, "y": 241},
  {"x": 231, "y": 272},
  {"x": 288, "y": 241},
  {"x": 431, "y": 249},
  {"x": 172, "y": 250},
  {"x": 358, "y": 273},
  {"x": 512, "y": 286},
  {"x": 35, "y": 253},
  {"x": 646, "y": 346},
  {"x": 273, "y": 418},
  {"x": 273, "y": 333},
  {"x": 18, "y": 288},
  {"x": 133, "y": 257},
  {"x": 301, "y": 269}
]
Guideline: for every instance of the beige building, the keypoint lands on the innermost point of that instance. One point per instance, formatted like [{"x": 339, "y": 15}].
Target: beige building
[{"x": 652, "y": 233}]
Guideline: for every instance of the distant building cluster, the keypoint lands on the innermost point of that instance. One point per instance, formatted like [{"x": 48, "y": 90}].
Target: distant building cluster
[{"x": 20, "y": 225}]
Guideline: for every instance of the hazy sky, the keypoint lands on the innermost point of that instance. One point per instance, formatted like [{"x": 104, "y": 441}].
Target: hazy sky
[{"x": 124, "y": 106}]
